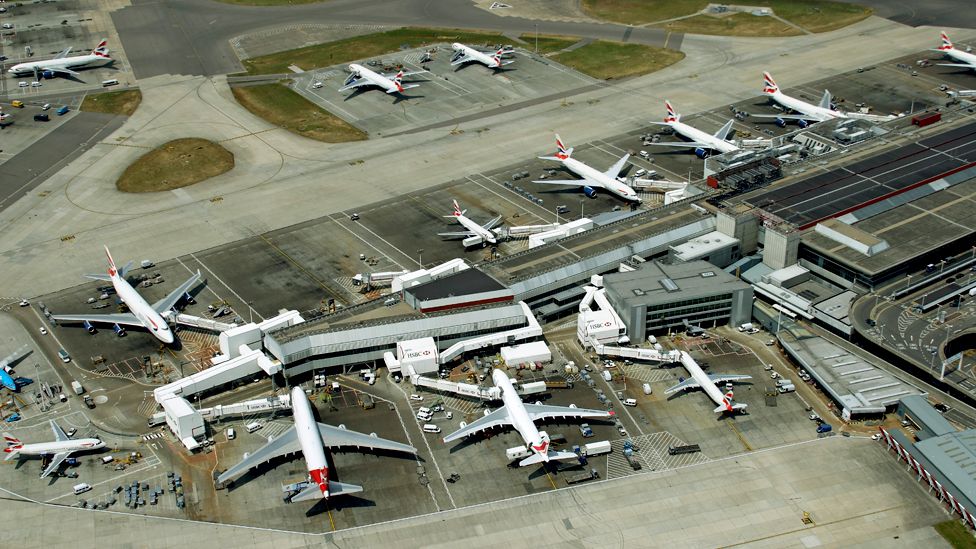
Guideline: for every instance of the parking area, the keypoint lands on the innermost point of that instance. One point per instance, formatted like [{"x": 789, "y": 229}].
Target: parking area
[
  {"x": 41, "y": 30},
  {"x": 445, "y": 93}
]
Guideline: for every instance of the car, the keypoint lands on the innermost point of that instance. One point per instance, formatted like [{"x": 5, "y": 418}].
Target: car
[
  {"x": 415, "y": 396},
  {"x": 773, "y": 375},
  {"x": 8, "y": 26},
  {"x": 46, "y": 106},
  {"x": 941, "y": 407},
  {"x": 317, "y": 85},
  {"x": 24, "y": 303},
  {"x": 354, "y": 217},
  {"x": 22, "y": 84},
  {"x": 814, "y": 417},
  {"x": 770, "y": 342},
  {"x": 71, "y": 432},
  {"x": 876, "y": 436},
  {"x": 906, "y": 423},
  {"x": 63, "y": 110},
  {"x": 36, "y": 84},
  {"x": 43, "y": 330},
  {"x": 768, "y": 367}
]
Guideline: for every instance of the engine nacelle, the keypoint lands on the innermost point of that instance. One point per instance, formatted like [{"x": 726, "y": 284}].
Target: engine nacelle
[
  {"x": 780, "y": 122},
  {"x": 189, "y": 298},
  {"x": 47, "y": 74},
  {"x": 702, "y": 153},
  {"x": 802, "y": 123},
  {"x": 88, "y": 326},
  {"x": 590, "y": 192},
  {"x": 119, "y": 330}
]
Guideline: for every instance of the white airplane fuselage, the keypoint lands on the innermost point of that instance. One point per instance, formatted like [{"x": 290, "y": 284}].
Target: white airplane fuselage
[
  {"x": 706, "y": 384},
  {"x": 698, "y": 136},
  {"x": 374, "y": 78},
  {"x": 609, "y": 184},
  {"x": 815, "y": 112},
  {"x": 478, "y": 56},
  {"x": 961, "y": 56},
  {"x": 49, "y": 448},
  {"x": 76, "y": 62},
  {"x": 519, "y": 416},
  {"x": 310, "y": 440},
  {"x": 485, "y": 234},
  {"x": 153, "y": 321}
]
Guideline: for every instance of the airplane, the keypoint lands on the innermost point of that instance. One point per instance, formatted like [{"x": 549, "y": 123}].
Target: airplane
[
  {"x": 62, "y": 447},
  {"x": 62, "y": 64},
  {"x": 807, "y": 111},
  {"x": 361, "y": 76},
  {"x": 522, "y": 417},
  {"x": 140, "y": 312},
  {"x": 6, "y": 367},
  {"x": 702, "y": 142},
  {"x": 966, "y": 60},
  {"x": 592, "y": 179},
  {"x": 699, "y": 379},
  {"x": 309, "y": 437},
  {"x": 480, "y": 233},
  {"x": 464, "y": 54}
]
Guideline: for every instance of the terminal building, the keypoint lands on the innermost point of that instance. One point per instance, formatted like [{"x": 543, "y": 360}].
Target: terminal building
[{"x": 658, "y": 297}]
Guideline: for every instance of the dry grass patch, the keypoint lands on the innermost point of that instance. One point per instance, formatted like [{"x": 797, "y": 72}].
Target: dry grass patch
[
  {"x": 119, "y": 102},
  {"x": 178, "y": 163},
  {"x": 606, "y": 60},
  {"x": 283, "y": 107}
]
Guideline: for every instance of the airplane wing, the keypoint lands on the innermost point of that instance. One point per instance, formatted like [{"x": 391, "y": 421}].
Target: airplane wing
[
  {"x": 334, "y": 437},
  {"x": 541, "y": 411},
  {"x": 574, "y": 182},
  {"x": 491, "y": 223},
  {"x": 63, "y": 54},
  {"x": 355, "y": 83},
  {"x": 122, "y": 319},
  {"x": 958, "y": 65},
  {"x": 495, "y": 419},
  {"x": 286, "y": 443},
  {"x": 55, "y": 463},
  {"x": 461, "y": 60},
  {"x": 785, "y": 116},
  {"x": 14, "y": 357},
  {"x": 689, "y": 383},
  {"x": 405, "y": 74},
  {"x": 685, "y": 144},
  {"x": 166, "y": 303},
  {"x": 722, "y": 378},
  {"x": 59, "y": 434},
  {"x": 614, "y": 170},
  {"x": 60, "y": 70}
]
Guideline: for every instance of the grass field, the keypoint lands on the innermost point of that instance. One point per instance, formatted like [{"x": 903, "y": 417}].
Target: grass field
[
  {"x": 281, "y": 106},
  {"x": 548, "y": 43},
  {"x": 605, "y": 60},
  {"x": 956, "y": 534},
  {"x": 178, "y": 163},
  {"x": 813, "y": 15},
  {"x": 120, "y": 102},
  {"x": 738, "y": 24},
  {"x": 361, "y": 47},
  {"x": 269, "y": 2}
]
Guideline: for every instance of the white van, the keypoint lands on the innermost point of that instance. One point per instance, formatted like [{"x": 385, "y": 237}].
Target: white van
[
  {"x": 431, "y": 428},
  {"x": 82, "y": 488},
  {"x": 254, "y": 426},
  {"x": 647, "y": 388},
  {"x": 231, "y": 435},
  {"x": 112, "y": 82},
  {"x": 107, "y": 459},
  {"x": 630, "y": 402},
  {"x": 424, "y": 417}
]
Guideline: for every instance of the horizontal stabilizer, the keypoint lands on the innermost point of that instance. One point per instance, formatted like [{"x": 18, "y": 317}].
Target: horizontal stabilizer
[
  {"x": 551, "y": 455},
  {"x": 341, "y": 488},
  {"x": 104, "y": 277},
  {"x": 735, "y": 407},
  {"x": 405, "y": 87}
]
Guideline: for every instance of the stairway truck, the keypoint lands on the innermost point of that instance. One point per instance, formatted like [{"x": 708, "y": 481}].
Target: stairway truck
[
  {"x": 518, "y": 452},
  {"x": 597, "y": 448}
]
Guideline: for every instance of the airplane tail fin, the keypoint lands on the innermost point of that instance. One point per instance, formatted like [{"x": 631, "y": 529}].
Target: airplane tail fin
[
  {"x": 101, "y": 50},
  {"x": 457, "y": 209},
  {"x": 112, "y": 271},
  {"x": 723, "y": 132},
  {"x": 562, "y": 153},
  {"x": 769, "y": 85},
  {"x": 825, "y": 100},
  {"x": 729, "y": 405},
  {"x": 13, "y": 445},
  {"x": 671, "y": 116},
  {"x": 398, "y": 80},
  {"x": 946, "y": 43}
]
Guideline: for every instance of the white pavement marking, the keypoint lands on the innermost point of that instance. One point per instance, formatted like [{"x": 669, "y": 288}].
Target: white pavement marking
[
  {"x": 506, "y": 199},
  {"x": 368, "y": 243},
  {"x": 244, "y": 301}
]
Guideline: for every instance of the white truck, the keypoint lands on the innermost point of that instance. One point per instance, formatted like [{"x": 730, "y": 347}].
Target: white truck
[
  {"x": 518, "y": 452},
  {"x": 745, "y": 327},
  {"x": 597, "y": 448},
  {"x": 77, "y": 388}
]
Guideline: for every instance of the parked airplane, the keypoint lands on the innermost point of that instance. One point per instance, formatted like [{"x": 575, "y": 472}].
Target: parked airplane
[
  {"x": 702, "y": 142},
  {"x": 7, "y": 363},
  {"x": 140, "y": 312},
  {"x": 807, "y": 112},
  {"x": 8, "y": 382},
  {"x": 592, "y": 179},
  {"x": 475, "y": 234},
  {"x": 966, "y": 60},
  {"x": 699, "y": 379},
  {"x": 62, "y": 447},
  {"x": 522, "y": 417},
  {"x": 309, "y": 437},
  {"x": 464, "y": 54},
  {"x": 62, "y": 64},
  {"x": 360, "y": 76}
]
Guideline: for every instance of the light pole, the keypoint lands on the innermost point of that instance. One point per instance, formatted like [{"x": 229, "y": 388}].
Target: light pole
[
  {"x": 909, "y": 285},
  {"x": 420, "y": 257},
  {"x": 537, "y": 38},
  {"x": 881, "y": 332},
  {"x": 942, "y": 268}
]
